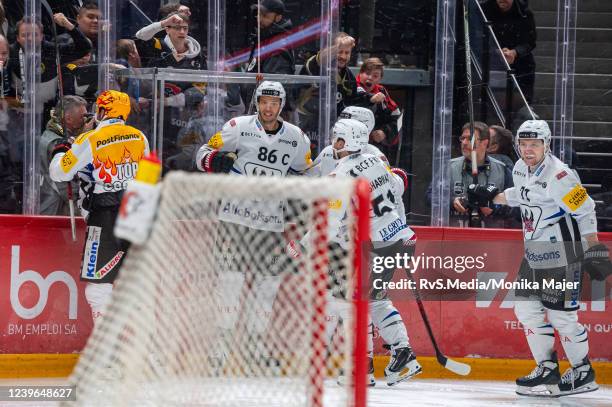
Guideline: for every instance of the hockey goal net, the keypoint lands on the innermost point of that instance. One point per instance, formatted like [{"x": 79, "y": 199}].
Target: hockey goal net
[{"x": 212, "y": 312}]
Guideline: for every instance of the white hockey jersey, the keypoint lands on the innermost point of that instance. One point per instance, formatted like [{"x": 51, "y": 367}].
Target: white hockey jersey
[
  {"x": 555, "y": 208},
  {"x": 259, "y": 154},
  {"x": 325, "y": 162},
  {"x": 388, "y": 224}
]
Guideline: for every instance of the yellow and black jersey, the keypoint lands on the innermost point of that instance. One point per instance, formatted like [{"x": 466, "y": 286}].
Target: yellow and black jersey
[{"x": 109, "y": 154}]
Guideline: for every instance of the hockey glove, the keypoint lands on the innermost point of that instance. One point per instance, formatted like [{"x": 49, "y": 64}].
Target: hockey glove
[
  {"x": 219, "y": 161},
  {"x": 403, "y": 175},
  {"x": 62, "y": 146},
  {"x": 597, "y": 262},
  {"x": 480, "y": 195}
]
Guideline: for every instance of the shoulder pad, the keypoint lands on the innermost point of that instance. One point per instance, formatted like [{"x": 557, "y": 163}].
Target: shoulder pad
[{"x": 80, "y": 139}]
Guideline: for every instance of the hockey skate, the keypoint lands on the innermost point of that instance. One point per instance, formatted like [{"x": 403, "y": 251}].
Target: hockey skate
[
  {"x": 542, "y": 381},
  {"x": 579, "y": 379},
  {"x": 402, "y": 366},
  {"x": 342, "y": 381}
]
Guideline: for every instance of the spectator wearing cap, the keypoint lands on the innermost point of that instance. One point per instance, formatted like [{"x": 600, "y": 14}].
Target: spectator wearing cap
[
  {"x": 385, "y": 135},
  {"x": 273, "y": 27},
  {"x": 514, "y": 26}
]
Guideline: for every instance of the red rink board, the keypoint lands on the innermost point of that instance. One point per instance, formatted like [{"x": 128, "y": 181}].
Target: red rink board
[{"x": 34, "y": 250}]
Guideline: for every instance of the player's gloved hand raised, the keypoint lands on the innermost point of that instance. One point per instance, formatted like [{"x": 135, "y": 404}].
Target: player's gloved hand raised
[
  {"x": 62, "y": 146},
  {"x": 597, "y": 262},
  {"x": 480, "y": 195},
  {"x": 219, "y": 161}
]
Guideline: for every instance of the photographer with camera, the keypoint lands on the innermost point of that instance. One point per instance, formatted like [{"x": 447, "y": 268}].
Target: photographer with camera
[
  {"x": 68, "y": 124},
  {"x": 491, "y": 172}
]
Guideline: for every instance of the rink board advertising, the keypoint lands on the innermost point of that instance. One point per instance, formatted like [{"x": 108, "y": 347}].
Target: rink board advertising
[{"x": 467, "y": 281}]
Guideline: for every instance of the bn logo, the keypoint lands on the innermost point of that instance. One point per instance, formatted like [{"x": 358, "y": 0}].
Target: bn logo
[{"x": 43, "y": 285}]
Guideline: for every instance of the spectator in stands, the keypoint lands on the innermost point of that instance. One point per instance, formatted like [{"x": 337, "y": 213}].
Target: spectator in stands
[
  {"x": 128, "y": 56},
  {"x": 514, "y": 27},
  {"x": 490, "y": 172},
  {"x": 14, "y": 11},
  {"x": 385, "y": 135},
  {"x": 176, "y": 50},
  {"x": 171, "y": 8},
  {"x": 87, "y": 22},
  {"x": 47, "y": 89},
  {"x": 80, "y": 76},
  {"x": 273, "y": 26},
  {"x": 74, "y": 121},
  {"x": 346, "y": 83},
  {"x": 168, "y": 9},
  {"x": 501, "y": 145}
]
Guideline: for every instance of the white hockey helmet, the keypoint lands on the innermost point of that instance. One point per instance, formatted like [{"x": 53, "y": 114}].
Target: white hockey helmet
[
  {"x": 271, "y": 88},
  {"x": 354, "y": 133},
  {"x": 534, "y": 130},
  {"x": 361, "y": 114}
]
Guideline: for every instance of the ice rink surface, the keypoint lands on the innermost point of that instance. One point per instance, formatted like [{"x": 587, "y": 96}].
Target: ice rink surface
[
  {"x": 474, "y": 393},
  {"x": 417, "y": 393}
]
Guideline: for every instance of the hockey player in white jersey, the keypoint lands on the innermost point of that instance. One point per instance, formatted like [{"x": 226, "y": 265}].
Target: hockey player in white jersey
[
  {"x": 260, "y": 144},
  {"x": 256, "y": 145},
  {"x": 558, "y": 225},
  {"x": 389, "y": 232},
  {"x": 326, "y": 160}
]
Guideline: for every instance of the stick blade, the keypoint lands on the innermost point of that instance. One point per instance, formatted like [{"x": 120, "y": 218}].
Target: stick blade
[{"x": 462, "y": 369}]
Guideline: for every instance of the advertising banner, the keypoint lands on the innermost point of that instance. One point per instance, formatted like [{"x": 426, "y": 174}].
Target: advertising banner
[{"x": 43, "y": 307}]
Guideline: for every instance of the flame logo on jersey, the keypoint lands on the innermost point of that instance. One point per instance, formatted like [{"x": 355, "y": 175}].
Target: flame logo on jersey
[
  {"x": 527, "y": 217},
  {"x": 107, "y": 163}
]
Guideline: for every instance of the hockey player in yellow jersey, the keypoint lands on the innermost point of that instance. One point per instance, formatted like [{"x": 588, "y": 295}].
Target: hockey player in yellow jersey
[{"x": 108, "y": 158}]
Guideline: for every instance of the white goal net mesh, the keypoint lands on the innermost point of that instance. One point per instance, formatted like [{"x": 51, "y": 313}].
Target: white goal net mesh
[{"x": 210, "y": 312}]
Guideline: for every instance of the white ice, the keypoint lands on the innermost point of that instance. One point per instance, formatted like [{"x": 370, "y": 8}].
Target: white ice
[{"x": 417, "y": 393}]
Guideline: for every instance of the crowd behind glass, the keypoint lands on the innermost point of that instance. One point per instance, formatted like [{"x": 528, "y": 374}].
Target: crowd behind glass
[{"x": 152, "y": 35}]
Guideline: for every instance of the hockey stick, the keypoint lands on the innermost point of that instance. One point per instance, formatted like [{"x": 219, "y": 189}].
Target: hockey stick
[
  {"x": 468, "y": 75},
  {"x": 60, "y": 90},
  {"x": 462, "y": 369}
]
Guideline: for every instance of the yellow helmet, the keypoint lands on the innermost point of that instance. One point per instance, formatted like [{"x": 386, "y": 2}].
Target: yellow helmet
[{"x": 114, "y": 104}]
